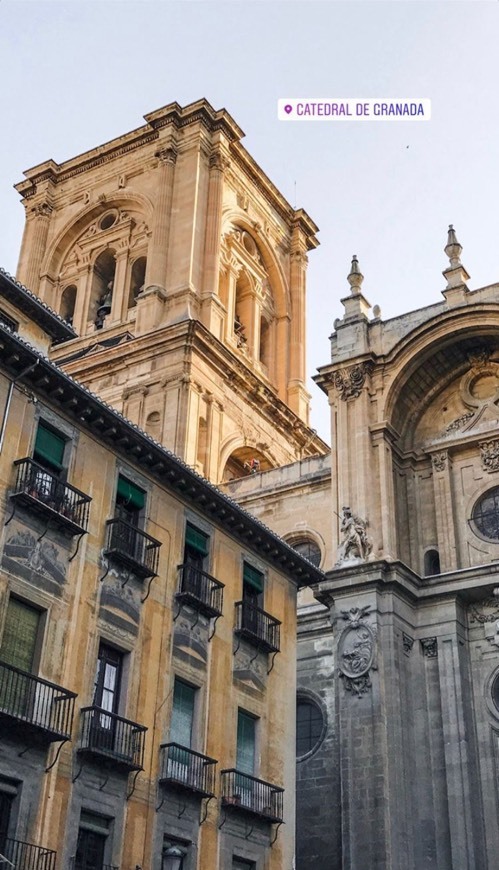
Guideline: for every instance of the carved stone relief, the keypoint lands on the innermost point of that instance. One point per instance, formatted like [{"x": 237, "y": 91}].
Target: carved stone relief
[
  {"x": 430, "y": 647},
  {"x": 356, "y": 651},
  {"x": 489, "y": 453},
  {"x": 349, "y": 382}
]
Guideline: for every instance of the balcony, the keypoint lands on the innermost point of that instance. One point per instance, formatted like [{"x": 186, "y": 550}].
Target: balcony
[
  {"x": 184, "y": 768},
  {"x": 42, "y": 492},
  {"x": 25, "y": 856},
  {"x": 35, "y": 706},
  {"x": 258, "y": 627},
  {"x": 250, "y": 795},
  {"x": 133, "y": 548},
  {"x": 200, "y": 590},
  {"x": 107, "y": 736}
]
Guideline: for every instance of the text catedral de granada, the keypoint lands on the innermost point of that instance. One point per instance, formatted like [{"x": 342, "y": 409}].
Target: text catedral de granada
[{"x": 295, "y": 109}]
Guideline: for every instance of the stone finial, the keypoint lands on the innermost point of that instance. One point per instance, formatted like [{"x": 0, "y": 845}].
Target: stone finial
[
  {"x": 453, "y": 248},
  {"x": 355, "y": 278},
  {"x": 455, "y": 274}
]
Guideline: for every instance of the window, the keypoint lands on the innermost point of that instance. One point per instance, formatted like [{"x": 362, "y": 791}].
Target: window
[
  {"x": 431, "y": 563},
  {"x": 130, "y": 501},
  {"x": 20, "y": 635},
  {"x": 8, "y": 794},
  {"x": 182, "y": 722},
  {"x": 242, "y": 864},
  {"x": 486, "y": 515},
  {"x": 252, "y": 598},
  {"x": 309, "y": 726},
  {"x": 49, "y": 448},
  {"x": 196, "y": 547},
  {"x": 7, "y": 321},
  {"x": 92, "y": 845},
  {"x": 108, "y": 679},
  {"x": 246, "y": 742},
  {"x": 495, "y": 692},
  {"x": 308, "y": 548},
  {"x": 68, "y": 303}
]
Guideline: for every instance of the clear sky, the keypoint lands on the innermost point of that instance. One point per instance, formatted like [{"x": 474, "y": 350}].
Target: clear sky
[{"x": 76, "y": 74}]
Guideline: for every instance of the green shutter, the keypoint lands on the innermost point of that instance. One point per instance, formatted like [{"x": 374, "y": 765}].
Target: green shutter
[
  {"x": 196, "y": 539},
  {"x": 19, "y": 635},
  {"x": 49, "y": 447},
  {"x": 253, "y": 577},
  {"x": 132, "y": 495},
  {"x": 182, "y": 714},
  {"x": 245, "y": 762}
]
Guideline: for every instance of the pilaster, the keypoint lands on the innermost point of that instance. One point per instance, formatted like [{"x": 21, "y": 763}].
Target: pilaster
[{"x": 157, "y": 262}]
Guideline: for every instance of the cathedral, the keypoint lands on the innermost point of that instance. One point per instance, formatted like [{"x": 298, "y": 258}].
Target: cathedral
[{"x": 172, "y": 273}]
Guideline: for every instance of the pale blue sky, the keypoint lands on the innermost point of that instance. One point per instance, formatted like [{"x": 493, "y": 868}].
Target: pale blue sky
[{"x": 75, "y": 74}]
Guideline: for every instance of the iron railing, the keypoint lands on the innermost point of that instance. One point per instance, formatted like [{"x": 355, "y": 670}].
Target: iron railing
[
  {"x": 129, "y": 545},
  {"x": 39, "y": 705},
  {"x": 38, "y": 488},
  {"x": 200, "y": 590},
  {"x": 259, "y": 627},
  {"x": 25, "y": 856},
  {"x": 110, "y": 736},
  {"x": 241, "y": 791},
  {"x": 188, "y": 769}
]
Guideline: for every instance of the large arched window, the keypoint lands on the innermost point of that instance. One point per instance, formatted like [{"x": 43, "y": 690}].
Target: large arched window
[
  {"x": 101, "y": 295},
  {"x": 137, "y": 280},
  {"x": 486, "y": 515}
]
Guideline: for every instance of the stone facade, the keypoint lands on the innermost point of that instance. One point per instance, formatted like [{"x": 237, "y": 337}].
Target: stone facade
[
  {"x": 183, "y": 271},
  {"x": 103, "y": 614}
]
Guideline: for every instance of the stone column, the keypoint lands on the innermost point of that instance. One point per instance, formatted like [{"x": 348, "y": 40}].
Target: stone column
[
  {"x": 120, "y": 291},
  {"x": 444, "y": 501},
  {"x": 157, "y": 261},
  {"x": 34, "y": 244},
  {"x": 298, "y": 396},
  {"x": 213, "y": 232},
  {"x": 382, "y": 439}
]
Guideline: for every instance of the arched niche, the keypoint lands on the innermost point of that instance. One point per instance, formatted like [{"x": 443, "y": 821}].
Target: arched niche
[
  {"x": 244, "y": 461},
  {"x": 137, "y": 280},
  {"x": 68, "y": 303},
  {"x": 102, "y": 287}
]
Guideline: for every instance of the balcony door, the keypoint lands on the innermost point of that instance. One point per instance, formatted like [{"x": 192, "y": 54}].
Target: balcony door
[
  {"x": 6, "y": 801},
  {"x": 245, "y": 757},
  {"x": 129, "y": 506},
  {"x": 195, "y": 553},
  {"x": 49, "y": 453},
  {"x": 93, "y": 835},
  {"x": 18, "y": 648},
  {"x": 106, "y": 696},
  {"x": 252, "y": 598},
  {"x": 181, "y": 730}
]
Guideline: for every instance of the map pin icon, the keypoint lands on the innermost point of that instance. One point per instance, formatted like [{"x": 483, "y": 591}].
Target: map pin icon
[{"x": 288, "y": 109}]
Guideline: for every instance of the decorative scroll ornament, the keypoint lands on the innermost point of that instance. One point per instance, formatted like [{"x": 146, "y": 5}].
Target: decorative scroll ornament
[
  {"x": 489, "y": 452},
  {"x": 407, "y": 643},
  {"x": 356, "y": 649},
  {"x": 430, "y": 647},
  {"x": 459, "y": 422},
  {"x": 355, "y": 546},
  {"x": 484, "y": 611},
  {"x": 439, "y": 460},
  {"x": 349, "y": 382}
]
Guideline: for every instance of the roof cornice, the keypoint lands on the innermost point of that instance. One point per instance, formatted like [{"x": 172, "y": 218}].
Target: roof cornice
[
  {"x": 34, "y": 308},
  {"x": 118, "y": 433}
]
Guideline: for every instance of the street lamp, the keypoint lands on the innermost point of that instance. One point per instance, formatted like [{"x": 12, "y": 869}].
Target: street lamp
[{"x": 172, "y": 858}]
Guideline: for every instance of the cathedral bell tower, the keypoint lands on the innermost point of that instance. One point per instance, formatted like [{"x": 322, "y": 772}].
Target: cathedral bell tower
[{"x": 183, "y": 271}]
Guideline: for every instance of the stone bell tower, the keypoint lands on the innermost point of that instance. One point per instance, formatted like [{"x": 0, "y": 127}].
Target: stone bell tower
[{"x": 182, "y": 269}]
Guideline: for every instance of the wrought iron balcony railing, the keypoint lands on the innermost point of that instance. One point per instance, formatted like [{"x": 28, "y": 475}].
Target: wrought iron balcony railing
[
  {"x": 41, "y": 491},
  {"x": 130, "y": 546},
  {"x": 109, "y": 736},
  {"x": 25, "y": 856},
  {"x": 200, "y": 590},
  {"x": 187, "y": 769},
  {"x": 244, "y": 792},
  {"x": 257, "y": 626},
  {"x": 35, "y": 705}
]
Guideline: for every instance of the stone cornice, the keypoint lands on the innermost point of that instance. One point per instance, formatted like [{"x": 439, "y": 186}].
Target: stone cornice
[
  {"x": 396, "y": 577},
  {"x": 21, "y": 361}
]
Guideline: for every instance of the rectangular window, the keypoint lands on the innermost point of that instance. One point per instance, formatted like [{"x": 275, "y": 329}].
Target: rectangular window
[
  {"x": 20, "y": 635},
  {"x": 252, "y": 584},
  {"x": 182, "y": 722},
  {"x": 8, "y": 321},
  {"x": 49, "y": 448},
  {"x": 242, "y": 864},
  {"x": 196, "y": 546},
  {"x": 108, "y": 678},
  {"x": 130, "y": 501},
  {"x": 92, "y": 845},
  {"x": 246, "y": 743}
]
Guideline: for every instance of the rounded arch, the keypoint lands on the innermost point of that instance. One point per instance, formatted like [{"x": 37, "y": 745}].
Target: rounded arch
[
  {"x": 434, "y": 354},
  {"x": 75, "y": 226},
  {"x": 298, "y": 538},
  {"x": 235, "y": 220},
  {"x": 238, "y": 459}
]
